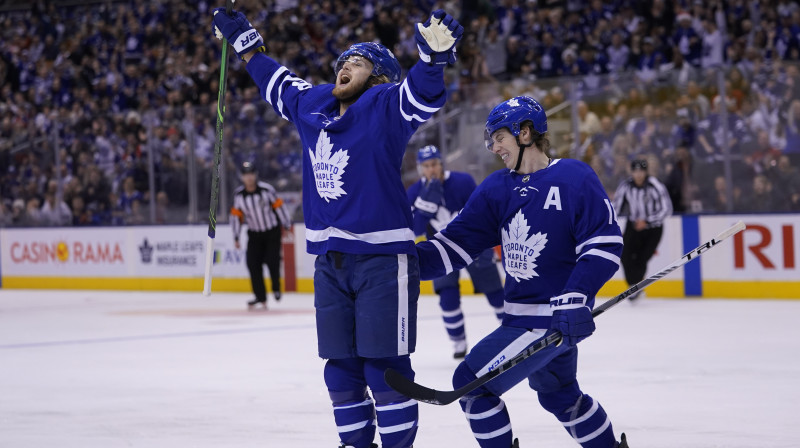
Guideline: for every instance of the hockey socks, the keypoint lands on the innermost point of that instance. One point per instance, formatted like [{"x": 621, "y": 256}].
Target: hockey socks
[
  {"x": 583, "y": 418},
  {"x": 398, "y": 416},
  {"x": 355, "y": 413},
  {"x": 486, "y": 413},
  {"x": 453, "y": 317}
]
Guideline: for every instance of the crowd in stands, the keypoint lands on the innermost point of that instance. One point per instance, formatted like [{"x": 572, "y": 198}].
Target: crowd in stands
[{"x": 101, "y": 100}]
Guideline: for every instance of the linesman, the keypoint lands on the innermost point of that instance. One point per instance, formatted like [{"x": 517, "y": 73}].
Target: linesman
[
  {"x": 646, "y": 203},
  {"x": 256, "y": 204}
]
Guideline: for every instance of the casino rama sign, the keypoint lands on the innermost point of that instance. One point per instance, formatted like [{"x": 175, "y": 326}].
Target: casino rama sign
[{"x": 40, "y": 252}]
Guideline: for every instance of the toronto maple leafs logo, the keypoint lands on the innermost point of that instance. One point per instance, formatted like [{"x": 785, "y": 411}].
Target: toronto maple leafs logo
[
  {"x": 513, "y": 102},
  {"x": 519, "y": 251},
  {"x": 328, "y": 168}
]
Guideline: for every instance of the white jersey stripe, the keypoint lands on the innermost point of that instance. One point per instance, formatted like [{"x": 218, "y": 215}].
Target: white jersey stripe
[
  {"x": 602, "y": 253},
  {"x": 598, "y": 240},
  {"x": 461, "y": 252},
  {"x": 402, "y": 305},
  {"x": 448, "y": 265},
  {"x": 414, "y": 101},
  {"x": 272, "y": 81},
  {"x": 527, "y": 309},
  {"x": 382, "y": 236}
]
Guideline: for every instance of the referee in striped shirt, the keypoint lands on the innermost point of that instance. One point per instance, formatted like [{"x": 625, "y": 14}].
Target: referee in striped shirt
[
  {"x": 646, "y": 204},
  {"x": 256, "y": 204}
]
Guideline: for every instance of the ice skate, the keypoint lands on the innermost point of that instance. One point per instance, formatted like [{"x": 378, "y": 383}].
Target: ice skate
[
  {"x": 374, "y": 445},
  {"x": 253, "y": 304},
  {"x": 623, "y": 443},
  {"x": 277, "y": 296},
  {"x": 515, "y": 444},
  {"x": 459, "y": 349}
]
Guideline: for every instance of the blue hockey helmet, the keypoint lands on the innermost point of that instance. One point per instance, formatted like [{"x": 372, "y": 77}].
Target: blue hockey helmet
[
  {"x": 383, "y": 61},
  {"x": 512, "y": 114},
  {"x": 427, "y": 153}
]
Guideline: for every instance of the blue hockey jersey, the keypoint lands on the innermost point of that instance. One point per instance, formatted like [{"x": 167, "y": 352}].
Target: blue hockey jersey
[
  {"x": 557, "y": 229},
  {"x": 353, "y": 197},
  {"x": 457, "y": 188}
]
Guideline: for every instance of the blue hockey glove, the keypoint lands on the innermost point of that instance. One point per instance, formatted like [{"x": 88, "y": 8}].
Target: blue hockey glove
[
  {"x": 437, "y": 38},
  {"x": 239, "y": 32},
  {"x": 429, "y": 198},
  {"x": 572, "y": 317}
]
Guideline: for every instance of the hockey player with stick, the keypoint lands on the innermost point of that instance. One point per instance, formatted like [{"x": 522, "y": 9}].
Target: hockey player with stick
[
  {"x": 436, "y": 199},
  {"x": 561, "y": 243},
  {"x": 357, "y": 215}
]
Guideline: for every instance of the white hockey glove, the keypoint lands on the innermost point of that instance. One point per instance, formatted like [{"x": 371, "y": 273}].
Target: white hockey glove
[{"x": 437, "y": 38}]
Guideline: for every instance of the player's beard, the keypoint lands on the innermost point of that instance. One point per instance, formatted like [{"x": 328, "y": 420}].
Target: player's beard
[{"x": 350, "y": 92}]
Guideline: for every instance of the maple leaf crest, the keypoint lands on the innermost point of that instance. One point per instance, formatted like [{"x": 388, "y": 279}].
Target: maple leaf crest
[
  {"x": 328, "y": 168},
  {"x": 442, "y": 218},
  {"x": 520, "y": 251}
]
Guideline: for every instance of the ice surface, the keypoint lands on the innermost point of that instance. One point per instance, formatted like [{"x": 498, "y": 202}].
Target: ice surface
[{"x": 118, "y": 369}]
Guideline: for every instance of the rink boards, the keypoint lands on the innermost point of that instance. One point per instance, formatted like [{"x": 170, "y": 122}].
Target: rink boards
[{"x": 759, "y": 262}]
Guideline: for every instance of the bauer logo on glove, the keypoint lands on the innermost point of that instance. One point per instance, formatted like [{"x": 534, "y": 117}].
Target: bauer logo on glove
[{"x": 237, "y": 30}]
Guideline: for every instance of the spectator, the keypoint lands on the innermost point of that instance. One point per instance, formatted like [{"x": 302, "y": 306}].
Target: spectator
[
  {"x": 55, "y": 212},
  {"x": 687, "y": 41},
  {"x": 80, "y": 215},
  {"x": 718, "y": 200},
  {"x": 713, "y": 44},
  {"x": 588, "y": 123},
  {"x": 678, "y": 182},
  {"x": 618, "y": 53},
  {"x": 761, "y": 198}
]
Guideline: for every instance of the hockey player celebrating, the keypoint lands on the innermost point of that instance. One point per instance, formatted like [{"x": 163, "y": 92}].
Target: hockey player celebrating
[
  {"x": 436, "y": 199},
  {"x": 561, "y": 243},
  {"x": 358, "y": 219}
]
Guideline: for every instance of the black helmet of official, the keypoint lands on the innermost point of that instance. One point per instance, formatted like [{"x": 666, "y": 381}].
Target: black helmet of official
[{"x": 248, "y": 167}]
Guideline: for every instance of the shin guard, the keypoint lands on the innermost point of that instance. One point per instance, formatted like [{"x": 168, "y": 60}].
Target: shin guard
[
  {"x": 398, "y": 416},
  {"x": 486, "y": 413},
  {"x": 353, "y": 409}
]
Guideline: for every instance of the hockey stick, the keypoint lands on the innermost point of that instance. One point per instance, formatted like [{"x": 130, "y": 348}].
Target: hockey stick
[
  {"x": 212, "y": 213},
  {"x": 410, "y": 389}
]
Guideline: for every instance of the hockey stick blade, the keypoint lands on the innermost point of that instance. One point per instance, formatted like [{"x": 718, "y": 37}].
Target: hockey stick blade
[{"x": 418, "y": 392}]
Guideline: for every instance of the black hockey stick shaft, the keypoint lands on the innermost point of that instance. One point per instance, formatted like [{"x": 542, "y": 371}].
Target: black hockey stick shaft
[
  {"x": 212, "y": 213},
  {"x": 410, "y": 389}
]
